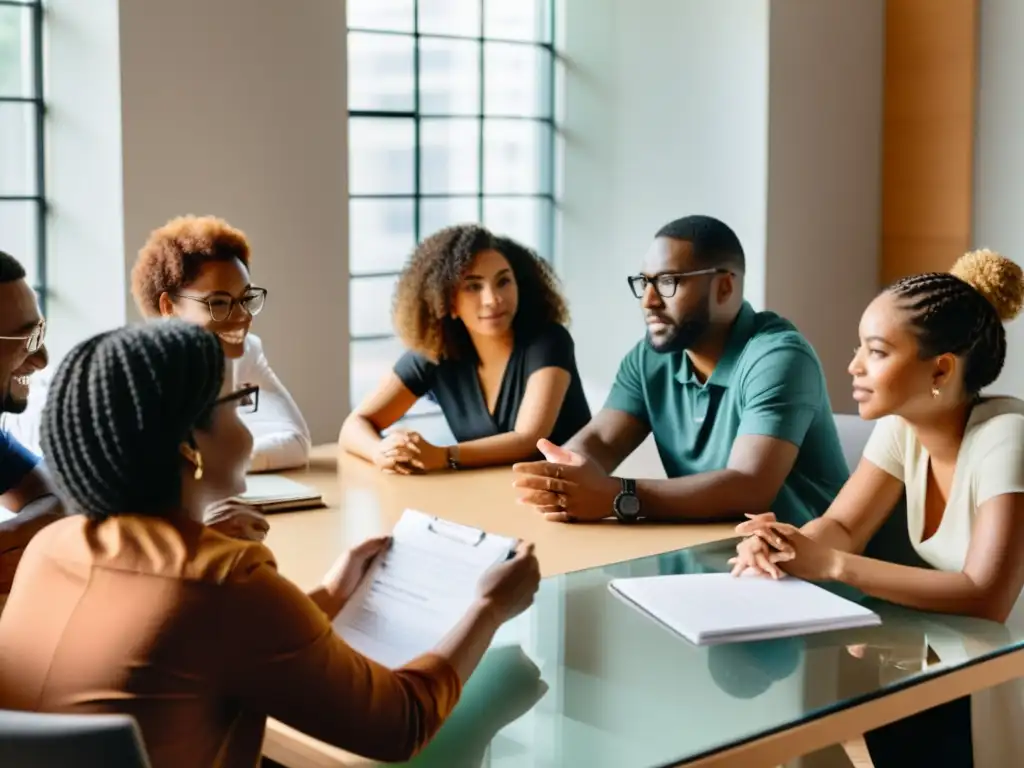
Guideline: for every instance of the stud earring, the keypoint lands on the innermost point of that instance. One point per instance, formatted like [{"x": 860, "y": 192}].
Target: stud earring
[
  {"x": 935, "y": 391},
  {"x": 198, "y": 458}
]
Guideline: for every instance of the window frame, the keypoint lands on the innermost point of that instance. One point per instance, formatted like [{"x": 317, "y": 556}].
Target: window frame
[
  {"x": 545, "y": 196},
  {"x": 37, "y": 99}
]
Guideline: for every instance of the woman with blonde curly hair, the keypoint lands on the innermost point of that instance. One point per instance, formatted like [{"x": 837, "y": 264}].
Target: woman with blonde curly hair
[
  {"x": 196, "y": 268},
  {"x": 483, "y": 321},
  {"x": 929, "y": 345}
]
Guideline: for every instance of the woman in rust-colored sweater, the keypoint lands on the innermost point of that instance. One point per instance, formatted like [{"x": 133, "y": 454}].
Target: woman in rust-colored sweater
[{"x": 134, "y": 606}]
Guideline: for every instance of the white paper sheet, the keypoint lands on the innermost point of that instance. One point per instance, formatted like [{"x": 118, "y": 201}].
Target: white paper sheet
[
  {"x": 710, "y": 608},
  {"x": 419, "y": 589}
]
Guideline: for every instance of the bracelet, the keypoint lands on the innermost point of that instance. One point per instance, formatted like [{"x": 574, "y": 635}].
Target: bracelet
[{"x": 453, "y": 457}]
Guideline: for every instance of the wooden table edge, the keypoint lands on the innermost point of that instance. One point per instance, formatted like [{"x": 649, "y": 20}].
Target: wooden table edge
[
  {"x": 297, "y": 750},
  {"x": 837, "y": 727}
]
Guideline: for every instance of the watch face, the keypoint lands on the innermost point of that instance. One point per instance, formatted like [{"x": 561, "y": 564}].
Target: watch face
[{"x": 629, "y": 506}]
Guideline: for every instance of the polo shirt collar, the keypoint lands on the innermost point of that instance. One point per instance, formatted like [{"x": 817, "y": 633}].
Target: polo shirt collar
[{"x": 740, "y": 333}]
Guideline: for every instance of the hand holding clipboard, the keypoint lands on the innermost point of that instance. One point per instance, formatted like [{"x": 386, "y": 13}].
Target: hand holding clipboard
[{"x": 427, "y": 580}]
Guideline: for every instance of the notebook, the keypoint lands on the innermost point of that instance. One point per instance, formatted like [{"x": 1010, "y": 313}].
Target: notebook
[
  {"x": 713, "y": 608},
  {"x": 273, "y": 493},
  {"x": 420, "y": 588}
]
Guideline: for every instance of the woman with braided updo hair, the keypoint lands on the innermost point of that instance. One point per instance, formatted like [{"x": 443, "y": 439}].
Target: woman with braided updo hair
[
  {"x": 929, "y": 345},
  {"x": 134, "y": 606},
  {"x": 483, "y": 321}
]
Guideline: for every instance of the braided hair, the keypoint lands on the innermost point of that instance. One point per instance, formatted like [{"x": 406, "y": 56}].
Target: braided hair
[
  {"x": 427, "y": 285},
  {"x": 119, "y": 408},
  {"x": 962, "y": 312}
]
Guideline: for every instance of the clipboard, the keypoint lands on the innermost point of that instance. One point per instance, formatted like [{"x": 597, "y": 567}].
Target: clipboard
[
  {"x": 464, "y": 534},
  {"x": 419, "y": 588}
]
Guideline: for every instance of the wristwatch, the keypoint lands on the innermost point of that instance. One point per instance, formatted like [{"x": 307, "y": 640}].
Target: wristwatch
[
  {"x": 627, "y": 503},
  {"x": 453, "y": 457}
]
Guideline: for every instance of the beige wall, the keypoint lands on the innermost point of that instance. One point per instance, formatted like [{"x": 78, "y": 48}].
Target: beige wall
[
  {"x": 235, "y": 108},
  {"x": 824, "y": 173}
]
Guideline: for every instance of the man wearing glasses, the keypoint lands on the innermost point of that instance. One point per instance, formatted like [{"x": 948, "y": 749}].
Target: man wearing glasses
[
  {"x": 736, "y": 400},
  {"x": 25, "y": 489}
]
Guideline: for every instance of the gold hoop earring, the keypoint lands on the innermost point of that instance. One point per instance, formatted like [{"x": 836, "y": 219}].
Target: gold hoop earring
[
  {"x": 935, "y": 391},
  {"x": 198, "y": 459}
]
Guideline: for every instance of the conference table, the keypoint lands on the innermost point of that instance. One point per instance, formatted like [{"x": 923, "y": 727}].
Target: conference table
[{"x": 582, "y": 678}]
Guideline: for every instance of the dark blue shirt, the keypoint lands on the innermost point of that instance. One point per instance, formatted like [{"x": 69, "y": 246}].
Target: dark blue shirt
[{"x": 16, "y": 461}]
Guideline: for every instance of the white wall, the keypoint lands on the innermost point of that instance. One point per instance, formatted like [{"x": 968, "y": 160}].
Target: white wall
[
  {"x": 764, "y": 113},
  {"x": 85, "y": 279},
  {"x": 999, "y": 158},
  {"x": 234, "y": 108},
  {"x": 664, "y": 114}
]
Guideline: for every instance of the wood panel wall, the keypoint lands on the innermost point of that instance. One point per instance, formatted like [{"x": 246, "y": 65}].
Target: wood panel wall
[{"x": 928, "y": 138}]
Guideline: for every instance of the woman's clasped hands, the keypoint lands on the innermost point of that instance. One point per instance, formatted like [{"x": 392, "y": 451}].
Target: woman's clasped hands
[
  {"x": 775, "y": 549},
  {"x": 404, "y": 452}
]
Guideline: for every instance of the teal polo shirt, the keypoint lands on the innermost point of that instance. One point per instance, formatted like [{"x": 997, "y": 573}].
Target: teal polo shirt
[{"x": 769, "y": 381}]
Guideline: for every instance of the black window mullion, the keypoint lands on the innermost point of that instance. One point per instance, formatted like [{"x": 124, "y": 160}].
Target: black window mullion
[
  {"x": 417, "y": 125},
  {"x": 552, "y": 71},
  {"x": 41, "y": 207},
  {"x": 480, "y": 125}
]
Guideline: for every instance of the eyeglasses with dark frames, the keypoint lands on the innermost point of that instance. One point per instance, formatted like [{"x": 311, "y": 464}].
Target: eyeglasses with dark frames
[
  {"x": 246, "y": 399},
  {"x": 667, "y": 282},
  {"x": 33, "y": 341},
  {"x": 221, "y": 305}
]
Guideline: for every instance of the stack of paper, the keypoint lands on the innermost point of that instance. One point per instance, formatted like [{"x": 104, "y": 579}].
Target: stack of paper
[
  {"x": 419, "y": 589},
  {"x": 273, "y": 493},
  {"x": 712, "y": 608}
]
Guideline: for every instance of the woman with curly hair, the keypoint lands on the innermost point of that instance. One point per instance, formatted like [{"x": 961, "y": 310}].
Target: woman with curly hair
[
  {"x": 483, "y": 321},
  {"x": 196, "y": 268},
  {"x": 929, "y": 345}
]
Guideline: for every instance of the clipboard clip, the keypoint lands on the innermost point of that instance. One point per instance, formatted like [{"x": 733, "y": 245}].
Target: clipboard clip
[{"x": 463, "y": 534}]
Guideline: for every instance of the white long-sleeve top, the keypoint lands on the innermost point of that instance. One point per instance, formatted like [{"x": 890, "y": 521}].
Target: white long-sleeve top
[{"x": 280, "y": 434}]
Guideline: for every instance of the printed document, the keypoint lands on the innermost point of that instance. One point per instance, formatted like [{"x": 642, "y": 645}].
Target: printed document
[
  {"x": 419, "y": 589},
  {"x": 710, "y": 608}
]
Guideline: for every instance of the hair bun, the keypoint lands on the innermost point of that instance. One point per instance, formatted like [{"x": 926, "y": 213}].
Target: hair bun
[{"x": 995, "y": 277}]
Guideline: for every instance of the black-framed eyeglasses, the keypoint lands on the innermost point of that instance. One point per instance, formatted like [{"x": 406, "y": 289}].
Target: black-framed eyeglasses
[
  {"x": 246, "y": 399},
  {"x": 221, "y": 306},
  {"x": 33, "y": 341},
  {"x": 667, "y": 282}
]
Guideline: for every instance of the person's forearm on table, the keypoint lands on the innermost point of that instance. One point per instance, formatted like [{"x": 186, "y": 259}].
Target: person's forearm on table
[
  {"x": 829, "y": 532},
  {"x": 724, "y": 494},
  {"x": 359, "y": 436},
  {"x": 920, "y": 588},
  {"x": 37, "y": 514},
  {"x": 506, "y": 448}
]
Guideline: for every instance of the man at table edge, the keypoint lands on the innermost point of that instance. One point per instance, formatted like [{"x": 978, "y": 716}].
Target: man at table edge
[
  {"x": 25, "y": 488},
  {"x": 736, "y": 399}
]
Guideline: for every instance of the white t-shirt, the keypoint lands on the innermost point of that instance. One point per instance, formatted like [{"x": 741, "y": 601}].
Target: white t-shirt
[{"x": 990, "y": 463}]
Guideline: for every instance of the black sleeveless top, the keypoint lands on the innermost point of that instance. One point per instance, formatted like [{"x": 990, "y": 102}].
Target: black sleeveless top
[{"x": 456, "y": 388}]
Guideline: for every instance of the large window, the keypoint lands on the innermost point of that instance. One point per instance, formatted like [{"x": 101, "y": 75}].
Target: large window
[
  {"x": 451, "y": 108},
  {"x": 22, "y": 192}
]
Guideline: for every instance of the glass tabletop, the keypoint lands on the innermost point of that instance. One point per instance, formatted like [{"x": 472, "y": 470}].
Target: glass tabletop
[{"x": 584, "y": 679}]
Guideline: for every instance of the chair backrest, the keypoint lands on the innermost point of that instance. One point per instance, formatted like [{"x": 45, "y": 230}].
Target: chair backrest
[
  {"x": 853, "y": 436},
  {"x": 70, "y": 741}
]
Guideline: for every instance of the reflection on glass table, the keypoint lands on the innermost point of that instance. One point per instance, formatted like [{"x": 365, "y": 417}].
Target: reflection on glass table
[{"x": 582, "y": 679}]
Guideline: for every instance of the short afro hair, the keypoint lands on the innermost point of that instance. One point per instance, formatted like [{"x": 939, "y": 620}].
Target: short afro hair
[
  {"x": 427, "y": 285},
  {"x": 714, "y": 242},
  {"x": 10, "y": 268},
  {"x": 174, "y": 253}
]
